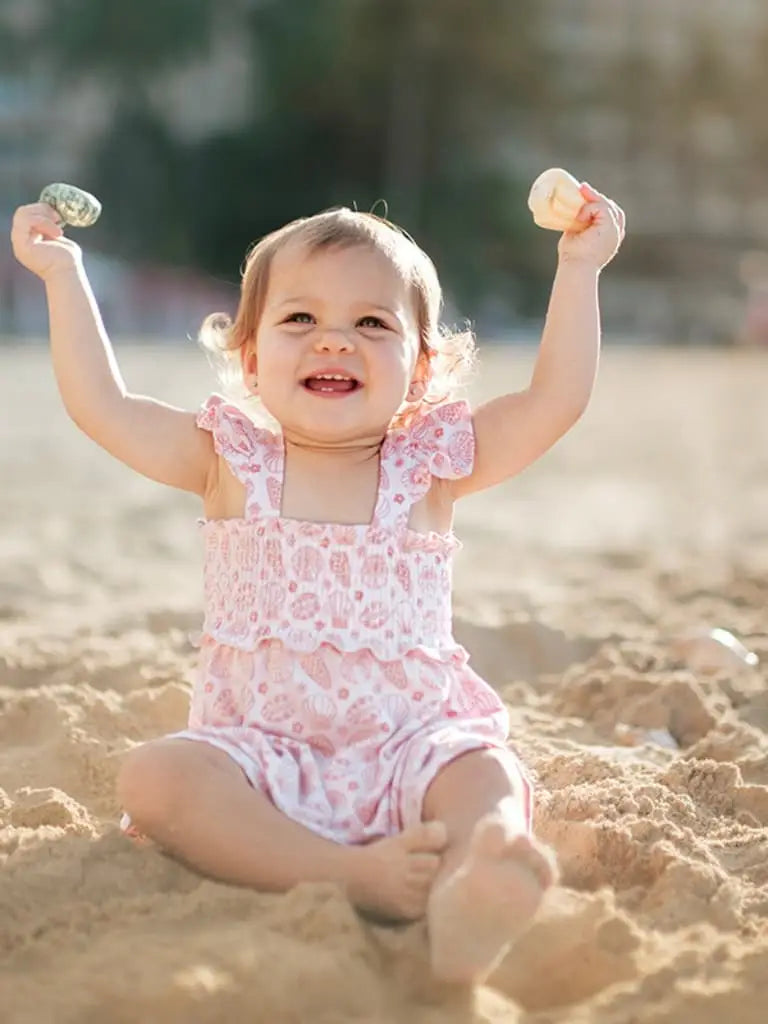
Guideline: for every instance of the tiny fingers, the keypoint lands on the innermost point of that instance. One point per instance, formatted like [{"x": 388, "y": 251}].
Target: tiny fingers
[
  {"x": 47, "y": 210},
  {"x": 621, "y": 217},
  {"x": 46, "y": 227},
  {"x": 603, "y": 211},
  {"x": 588, "y": 212},
  {"x": 38, "y": 218},
  {"x": 616, "y": 217},
  {"x": 590, "y": 194},
  {"x": 595, "y": 201},
  {"x": 38, "y": 210},
  {"x": 424, "y": 865}
]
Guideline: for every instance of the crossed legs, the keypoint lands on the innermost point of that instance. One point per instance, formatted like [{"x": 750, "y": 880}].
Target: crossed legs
[{"x": 470, "y": 864}]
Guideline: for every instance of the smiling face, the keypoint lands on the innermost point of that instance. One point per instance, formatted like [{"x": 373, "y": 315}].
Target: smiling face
[{"x": 337, "y": 344}]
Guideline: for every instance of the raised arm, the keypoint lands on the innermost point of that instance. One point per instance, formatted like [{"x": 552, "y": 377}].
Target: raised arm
[
  {"x": 155, "y": 439},
  {"x": 513, "y": 430}
]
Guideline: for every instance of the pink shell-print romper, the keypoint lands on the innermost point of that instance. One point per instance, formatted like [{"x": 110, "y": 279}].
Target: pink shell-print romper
[{"x": 328, "y": 670}]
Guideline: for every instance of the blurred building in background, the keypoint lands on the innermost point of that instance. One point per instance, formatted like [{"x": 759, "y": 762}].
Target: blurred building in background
[
  {"x": 667, "y": 111},
  {"x": 659, "y": 103}
]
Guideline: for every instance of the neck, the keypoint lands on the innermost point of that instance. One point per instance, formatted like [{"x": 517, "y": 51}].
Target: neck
[{"x": 348, "y": 453}]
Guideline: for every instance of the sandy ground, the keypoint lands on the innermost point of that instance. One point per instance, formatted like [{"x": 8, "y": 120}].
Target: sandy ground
[{"x": 649, "y": 519}]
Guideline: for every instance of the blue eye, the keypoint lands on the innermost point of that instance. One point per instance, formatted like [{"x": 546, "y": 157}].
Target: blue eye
[
  {"x": 371, "y": 321},
  {"x": 299, "y": 318}
]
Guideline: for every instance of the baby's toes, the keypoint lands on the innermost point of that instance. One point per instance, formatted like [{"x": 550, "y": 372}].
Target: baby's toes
[
  {"x": 418, "y": 901},
  {"x": 426, "y": 837},
  {"x": 539, "y": 860},
  {"x": 422, "y": 867},
  {"x": 413, "y": 903},
  {"x": 491, "y": 839}
]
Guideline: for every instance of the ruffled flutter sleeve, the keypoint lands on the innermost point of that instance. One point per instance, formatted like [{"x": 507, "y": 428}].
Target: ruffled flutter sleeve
[
  {"x": 235, "y": 436},
  {"x": 444, "y": 437}
]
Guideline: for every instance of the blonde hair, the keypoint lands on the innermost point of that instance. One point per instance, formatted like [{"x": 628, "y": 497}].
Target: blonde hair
[{"x": 451, "y": 355}]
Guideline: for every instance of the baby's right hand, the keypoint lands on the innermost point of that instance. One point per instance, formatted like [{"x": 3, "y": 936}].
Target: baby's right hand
[{"x": 39, "y": 243}]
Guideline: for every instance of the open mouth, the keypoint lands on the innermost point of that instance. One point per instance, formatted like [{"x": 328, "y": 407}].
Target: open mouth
[{"x": 331, "y": 384}]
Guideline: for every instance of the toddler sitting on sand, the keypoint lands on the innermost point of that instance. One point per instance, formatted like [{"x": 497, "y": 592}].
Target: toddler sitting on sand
[{"x": 337, "y": 732}]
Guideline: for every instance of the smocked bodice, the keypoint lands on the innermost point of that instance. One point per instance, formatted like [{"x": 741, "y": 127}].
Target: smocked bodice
[{"x": 382, "y": 586}]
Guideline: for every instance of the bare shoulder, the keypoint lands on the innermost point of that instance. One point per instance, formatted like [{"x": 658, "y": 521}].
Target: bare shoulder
[{"x": 158, "y": 440}]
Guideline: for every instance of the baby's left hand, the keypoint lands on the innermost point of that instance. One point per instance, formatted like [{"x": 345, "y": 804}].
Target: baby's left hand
[{"x": 597, "y": 243}]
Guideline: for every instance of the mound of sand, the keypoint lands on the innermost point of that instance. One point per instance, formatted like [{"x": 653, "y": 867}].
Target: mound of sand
[{"x": 576, "y": 578}]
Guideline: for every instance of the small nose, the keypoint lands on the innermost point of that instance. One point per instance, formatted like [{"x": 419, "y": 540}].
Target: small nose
[{"x": 334, "y": 339}]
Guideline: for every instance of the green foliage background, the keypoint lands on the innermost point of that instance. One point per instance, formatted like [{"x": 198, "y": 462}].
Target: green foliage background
[{"x": 352, "y": 102}]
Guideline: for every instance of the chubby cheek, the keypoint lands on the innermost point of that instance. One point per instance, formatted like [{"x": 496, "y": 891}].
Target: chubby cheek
[
  {"x": 276, "y": 385},
  {"x": 274, "y": 365},
  {"x": 394, "y": 360}
]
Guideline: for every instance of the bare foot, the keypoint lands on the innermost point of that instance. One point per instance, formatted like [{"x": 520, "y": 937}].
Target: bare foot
[
  {"x": 477, "y": 912},
  {"x": 393, "y": 876}
]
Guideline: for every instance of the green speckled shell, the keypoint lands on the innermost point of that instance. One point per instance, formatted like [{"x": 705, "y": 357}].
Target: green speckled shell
[{"x": 75, "y": 207}]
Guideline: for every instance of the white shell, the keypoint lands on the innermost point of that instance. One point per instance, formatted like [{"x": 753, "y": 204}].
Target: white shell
[
  {"x": 76, "y": 207},
  {"x": 634, "y": 736},
  {"x": 555, "y": 200},
  {"x": 713, "y": 650}
]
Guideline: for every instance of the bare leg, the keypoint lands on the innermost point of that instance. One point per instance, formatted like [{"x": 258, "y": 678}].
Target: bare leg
[
  {"x": 493, "y": 874},
  {"x": 194, "y": 801}
]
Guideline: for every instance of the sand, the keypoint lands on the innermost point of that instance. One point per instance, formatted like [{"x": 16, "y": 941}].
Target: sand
[{"x": 648, "y": 520}]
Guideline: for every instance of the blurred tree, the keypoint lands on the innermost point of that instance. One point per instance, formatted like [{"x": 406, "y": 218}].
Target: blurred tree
[
  {"x": 413, "y": 101},
  {"x": 124, "y": 43},
  {"x": 12, "y": 57},
  {"x": 134, "y": 164},
  {"x": 135, "y": 169}
]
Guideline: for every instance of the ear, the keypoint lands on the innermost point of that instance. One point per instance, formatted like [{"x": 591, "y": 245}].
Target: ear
[
  {"x": 422, "y": 375},
  {"x": 249, "y": 365}
]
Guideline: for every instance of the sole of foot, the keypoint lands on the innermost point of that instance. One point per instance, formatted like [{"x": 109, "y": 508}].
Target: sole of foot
[{"x": 477, "y": 912}]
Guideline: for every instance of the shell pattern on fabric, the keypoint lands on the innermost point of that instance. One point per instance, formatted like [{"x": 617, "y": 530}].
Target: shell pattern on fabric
[{"x": 76, "y": 207}]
